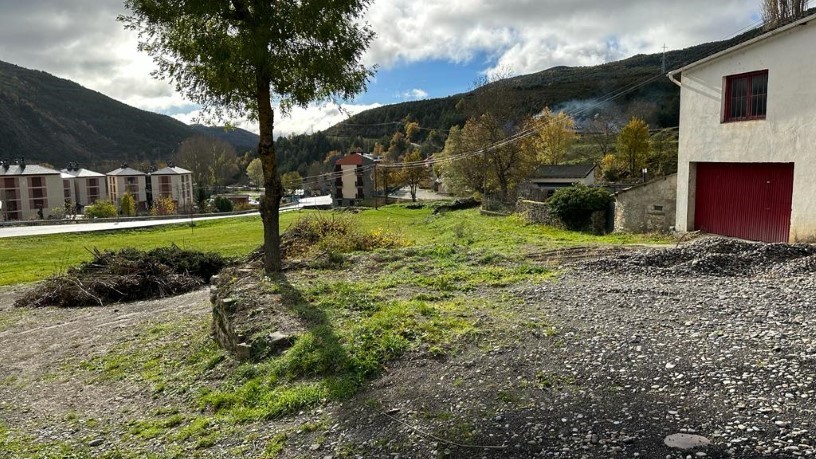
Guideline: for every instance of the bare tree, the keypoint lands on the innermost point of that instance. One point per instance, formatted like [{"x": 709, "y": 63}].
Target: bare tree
[{"x": 777, "y": 12}]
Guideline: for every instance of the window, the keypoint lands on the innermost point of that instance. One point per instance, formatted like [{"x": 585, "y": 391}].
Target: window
[
  {"x": 92, "y": 188},
  {"x": 37, "y": 193},
  {"x": 746, "y": 96}
]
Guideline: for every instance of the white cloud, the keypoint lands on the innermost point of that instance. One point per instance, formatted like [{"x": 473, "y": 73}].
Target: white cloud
[
  {"x": 525, "y": 36},
  {"x": 414, "y": 94},
  {"x": 81, "y": 40},
  {"x": 315, "y": 117}
]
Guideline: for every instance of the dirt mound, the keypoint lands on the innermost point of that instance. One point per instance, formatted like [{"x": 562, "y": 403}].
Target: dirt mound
[
  {"x": 715, "y": 257},
  {"x": 126, "y": 275}
]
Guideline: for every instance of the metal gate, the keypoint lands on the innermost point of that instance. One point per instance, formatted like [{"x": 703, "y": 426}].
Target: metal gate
[{"x": 745, "y": 200}]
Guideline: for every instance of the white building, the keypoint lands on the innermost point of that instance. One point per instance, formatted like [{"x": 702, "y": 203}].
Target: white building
[
  {"x": 29, "y": 192},
  {"x": 129, "y": 180},
  {"x": 88, "y": 186},
  {"x": 175, "y": 182},
  {"x": 747, "y": 152}
]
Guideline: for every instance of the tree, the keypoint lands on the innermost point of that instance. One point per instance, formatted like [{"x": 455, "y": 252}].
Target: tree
[
  {"x": 414, "y": 172},
  {"x": 633, "y": 146},
  {"x": 777, "y": 12},
  {"x": 291, "y": 181},
  {"x": 553, "y": 137},
  {"x": 462, "y": 174},
  {"x": 127, "y": 205},
  {"x": 663, "y": 153},
  {"x": 255, "y": 172},
  {"x": 213, "y": 162},
  {"x": 234, "y": 57},
  {"x": 575, "y": 205}
]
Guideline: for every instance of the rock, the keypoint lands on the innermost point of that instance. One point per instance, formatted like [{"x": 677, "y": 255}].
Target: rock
[
  {"x": 686, "y": 441},
  {"x": 96, "y": 442}
]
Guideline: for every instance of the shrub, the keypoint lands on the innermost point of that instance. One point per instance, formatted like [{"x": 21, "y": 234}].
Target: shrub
[
  {"x": 164, "y": 206},
  {"x": 334, "y": 235},
  {"x": 127, "y": 205},
  {"x": 574, "y": 205},
  {"x": 222, "y": 204},
  {"x": 101, "y": 209}
]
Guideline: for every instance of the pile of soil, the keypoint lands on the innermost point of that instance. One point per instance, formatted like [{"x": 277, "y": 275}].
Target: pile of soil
[
  {"x": 715, "y": 257},
  {"x": 126, "y": 275}
]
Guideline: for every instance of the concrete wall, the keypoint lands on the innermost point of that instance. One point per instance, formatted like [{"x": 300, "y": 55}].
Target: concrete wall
[
  {"x": 787, "y": 135},
  {"x": 647, "y": 208}
]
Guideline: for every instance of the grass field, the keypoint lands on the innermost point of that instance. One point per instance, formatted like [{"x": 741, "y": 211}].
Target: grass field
[
  {"x": 28, "y": 259},
  {"x": 449, "y": 284}
]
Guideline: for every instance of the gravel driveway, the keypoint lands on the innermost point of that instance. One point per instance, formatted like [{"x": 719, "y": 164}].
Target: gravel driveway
[{"x": 639, "y": 354}]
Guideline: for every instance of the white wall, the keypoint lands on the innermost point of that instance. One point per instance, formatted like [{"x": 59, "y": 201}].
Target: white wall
[
  {"x": 787, "y": 135},
  {"x": 349, "y": 181}
]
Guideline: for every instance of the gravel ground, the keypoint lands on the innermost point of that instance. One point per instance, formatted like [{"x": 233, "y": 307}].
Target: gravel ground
[{"x": 643, "y": 350}]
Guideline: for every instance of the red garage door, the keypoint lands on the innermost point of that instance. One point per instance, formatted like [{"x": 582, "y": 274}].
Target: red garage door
[{"x": 748, "y": 201}]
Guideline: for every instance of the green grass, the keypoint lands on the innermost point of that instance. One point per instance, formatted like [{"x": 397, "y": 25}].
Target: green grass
[
  {"x": 443, "y": 292},
  {"x": 27, "y": 259}
]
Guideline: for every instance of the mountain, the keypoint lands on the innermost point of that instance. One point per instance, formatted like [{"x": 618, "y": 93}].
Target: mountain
[
  {"x": 574, "y": 89},
  {"x": 241, "y": 139},
  {"x": 632, "y": 86},
  {"x": 47, "y": 119}
]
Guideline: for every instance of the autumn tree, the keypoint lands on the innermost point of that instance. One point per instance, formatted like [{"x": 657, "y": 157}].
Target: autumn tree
[
  {"x": 552, "y": 136},
  {"x": 776, "y": 12},
  {"x": 633, "y": 146},
  {"x": 291, "y": 181},
  {"x": 414, "y": 172},
  {"x": 662, "y": 153},
  {"x": 234, "y": 57},
  {"x": 255, "y": 172}
]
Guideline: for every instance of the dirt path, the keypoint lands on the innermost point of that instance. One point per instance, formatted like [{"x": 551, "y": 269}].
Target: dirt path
[{"x": 36, "y": 346}]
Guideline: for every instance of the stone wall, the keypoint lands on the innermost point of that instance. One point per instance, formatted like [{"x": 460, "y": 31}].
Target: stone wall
[
  {"x": 536, "y": 212},
  {"x": 647, "y": 208},
  {"x": 250, "y": 318}
]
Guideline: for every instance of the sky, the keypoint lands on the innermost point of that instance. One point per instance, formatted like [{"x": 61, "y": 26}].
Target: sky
[{"x": 423, "y": 48}]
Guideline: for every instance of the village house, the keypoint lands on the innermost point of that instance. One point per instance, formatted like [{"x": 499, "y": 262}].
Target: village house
[
  {"x": 173, "y": 182},
  {"x": 87, "y": 186},
  {"x": 746, "y": 150},
  {"x": 354, "y": 179},
  {"x": 127, "y": 180},
  {"x": 547, "y": 179},
  {"x": 29, "y": 192}
]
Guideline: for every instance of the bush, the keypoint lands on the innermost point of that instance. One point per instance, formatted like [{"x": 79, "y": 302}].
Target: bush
[
  {"x": 574, "y": 205},
  {"x": 334, "y": 235},
  {"x": 222, "y": 204},
  {"x": 127, "y": 205},
  {"x": 101, "y": 209},
  {"x": 164, "y": 206}
]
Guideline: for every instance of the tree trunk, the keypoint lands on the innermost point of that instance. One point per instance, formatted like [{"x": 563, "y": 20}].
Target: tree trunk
[{"x": 273, "y": 191}]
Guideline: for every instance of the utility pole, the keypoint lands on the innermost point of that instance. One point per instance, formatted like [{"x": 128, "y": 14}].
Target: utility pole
[
  {"x": 376, "y": 198},
  {"x": 664, "y": 58}
]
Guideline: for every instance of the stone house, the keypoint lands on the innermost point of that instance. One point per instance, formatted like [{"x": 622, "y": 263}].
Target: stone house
[{"x": 648, "y": 207}]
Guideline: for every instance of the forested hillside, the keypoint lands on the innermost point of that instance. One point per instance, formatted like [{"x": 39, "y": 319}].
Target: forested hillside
[{"x": 638, "y": 83}]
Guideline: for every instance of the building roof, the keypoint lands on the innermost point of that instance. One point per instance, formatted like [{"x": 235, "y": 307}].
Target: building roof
[
  {"x": 746, "y": 44},
  {"x": 356, "y": 159},
  {"x": 29, "y": 169},
  {"x": 125, "y": 171},
  {"x": 171, "y": 170},
  {"x": 571, "y": 171},
  {"x": 82, "y": 173}
]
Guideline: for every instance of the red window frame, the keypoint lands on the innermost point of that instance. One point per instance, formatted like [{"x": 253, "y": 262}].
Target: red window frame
[{"x": 748, "y": 104}]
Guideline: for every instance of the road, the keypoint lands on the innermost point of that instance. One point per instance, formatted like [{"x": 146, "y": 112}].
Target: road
[{"x": 18, "y": 231}]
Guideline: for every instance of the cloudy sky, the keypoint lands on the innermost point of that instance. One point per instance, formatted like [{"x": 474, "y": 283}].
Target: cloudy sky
[{"x": 423, "y": 49}]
